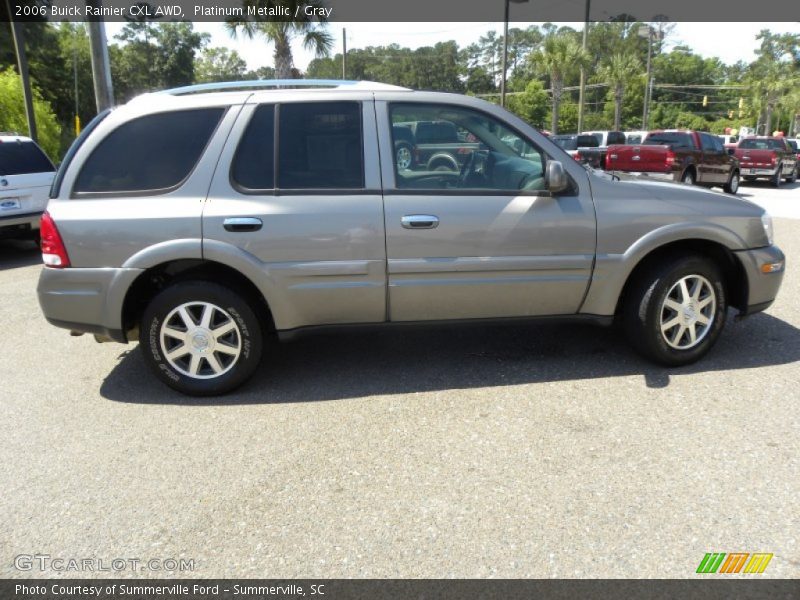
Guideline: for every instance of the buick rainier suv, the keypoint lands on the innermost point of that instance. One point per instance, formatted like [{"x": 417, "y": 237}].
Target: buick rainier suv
[{"x": 205, "y": 221}]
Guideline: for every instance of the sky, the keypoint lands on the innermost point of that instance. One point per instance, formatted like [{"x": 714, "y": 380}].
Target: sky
[{"x": 730, "y": 42}]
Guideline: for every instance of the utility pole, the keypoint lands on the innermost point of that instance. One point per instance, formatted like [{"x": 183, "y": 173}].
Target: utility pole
[
  {"x": 505, "y": 55},
  {"x": 583, "y": 68},
  {"x": 344, "y": 53},
  {"x": 22, "y": 63},
  {"x": 649, "y": 35},
  {"x": 101, "y": 72}
]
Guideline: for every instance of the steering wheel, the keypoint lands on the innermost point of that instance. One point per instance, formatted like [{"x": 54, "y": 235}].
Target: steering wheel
[{"x": 466, "y": 169}]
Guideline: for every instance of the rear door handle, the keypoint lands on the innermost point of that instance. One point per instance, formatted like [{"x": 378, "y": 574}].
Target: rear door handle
[
  {"x": 242, "y": 224},
  {"x": 420, "y": 221}
]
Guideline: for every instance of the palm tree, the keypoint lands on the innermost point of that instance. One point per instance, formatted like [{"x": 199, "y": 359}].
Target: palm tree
[
  {"x": 559, "y": 56},
  {"x": 618, "y": 72},
  {"x": 282, "y": 33}
]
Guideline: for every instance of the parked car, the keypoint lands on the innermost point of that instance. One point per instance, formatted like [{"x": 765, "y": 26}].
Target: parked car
[
  {"x": 690, "y": 157},
  {"x": 634, "y": 137},
  {"x": 207, "y": 225},
  {"x": 437, "y": 145},
  {"x": 607, "y": 138},
  {"x": 729, "y": 140},
  {"x": 584, "y": 148},
  {"x": 769, "y": 158},
  {"x": 793, "y": 144},
  {"x": 25, "y": 177}
]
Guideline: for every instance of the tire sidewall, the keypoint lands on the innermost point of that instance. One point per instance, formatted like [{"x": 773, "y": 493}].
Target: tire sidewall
[
  {"x": 180, "y": 293},
  {"x": 733, "y": 184},
  {"x": 649, "y": 311}
]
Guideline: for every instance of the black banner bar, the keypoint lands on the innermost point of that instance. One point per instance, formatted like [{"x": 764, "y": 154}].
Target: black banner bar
[
  {"x": 712, "y": 587},
  {"x": 538, "y": 11}
]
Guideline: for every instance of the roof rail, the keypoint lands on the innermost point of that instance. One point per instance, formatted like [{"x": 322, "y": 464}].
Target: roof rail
[{"x": 222, "y": 86}]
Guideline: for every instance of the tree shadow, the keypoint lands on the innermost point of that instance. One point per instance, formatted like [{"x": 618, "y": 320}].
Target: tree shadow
[{"x": 410, "y": 360}]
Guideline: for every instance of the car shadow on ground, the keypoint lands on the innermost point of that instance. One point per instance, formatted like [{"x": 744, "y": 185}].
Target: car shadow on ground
[
  {"x": 18, "y": 253},
  {"x": 409, "y": 360},
  {"x": 765, "y": 184}
]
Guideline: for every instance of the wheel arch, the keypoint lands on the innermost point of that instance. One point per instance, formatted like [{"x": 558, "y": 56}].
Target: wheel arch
[
  {"x": 158, "y": 277},
  {"x": 733, "y": 273},
  {"x": 442, "y": 157}
]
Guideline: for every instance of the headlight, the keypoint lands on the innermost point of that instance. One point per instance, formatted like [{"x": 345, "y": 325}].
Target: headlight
[{"x": 766, "y": 221}]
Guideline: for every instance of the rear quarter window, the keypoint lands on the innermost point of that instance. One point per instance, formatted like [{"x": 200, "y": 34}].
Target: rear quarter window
[
  {"x": 150, "y": 154},
  {"x": 21, "y": 157}
]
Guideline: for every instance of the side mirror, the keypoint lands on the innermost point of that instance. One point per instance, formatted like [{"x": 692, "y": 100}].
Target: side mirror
[{"x": 556, "y": 177}]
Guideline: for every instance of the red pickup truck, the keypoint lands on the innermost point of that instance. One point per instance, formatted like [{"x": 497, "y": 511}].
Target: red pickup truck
[
  {"x": 691, "y": 157},
  {"x": 768, "y": 157}
]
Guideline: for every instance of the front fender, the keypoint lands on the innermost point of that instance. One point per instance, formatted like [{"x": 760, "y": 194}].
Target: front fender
[{"x": 611, "y": 271}]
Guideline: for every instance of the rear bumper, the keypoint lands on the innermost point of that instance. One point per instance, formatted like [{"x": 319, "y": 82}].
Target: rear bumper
[
  {"x": 762, "y": 288},
  {"x": 11, "y": 224},
  {"x": 757, "y": 172},
  {"x": 668, "y": 177},
  {"x": 86, "y": 300}
]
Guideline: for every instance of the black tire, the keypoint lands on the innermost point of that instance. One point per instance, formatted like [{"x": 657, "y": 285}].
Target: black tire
[
  {"x": 644, "y": 309},
  {"x": 793, "y": 177},
  {"x": 775, "y": 180},
  {"x": 689, "y": 177},
  {"x": 229, "y": 307},
  {"x": 733, "y": 184},
  {"x": 403, "y": 156}
]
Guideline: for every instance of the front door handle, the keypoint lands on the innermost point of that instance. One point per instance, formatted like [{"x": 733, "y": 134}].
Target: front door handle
[
  {"x": 242, "y": 224},
  {"x": 420, "y": 222}
]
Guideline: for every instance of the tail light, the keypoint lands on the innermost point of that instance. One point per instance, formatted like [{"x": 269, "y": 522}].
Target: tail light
[
  {"x": 774, "y": 158},
  {"x": 54, "y": 253},
  {"x": 669, "y": 159},
  {"x": 578, "y": 156}
]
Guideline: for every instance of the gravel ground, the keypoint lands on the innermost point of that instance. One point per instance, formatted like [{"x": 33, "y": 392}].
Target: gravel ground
[{"x": 536, "y": 451}]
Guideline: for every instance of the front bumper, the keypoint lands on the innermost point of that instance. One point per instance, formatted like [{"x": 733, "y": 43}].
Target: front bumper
[
  {"x": 86, "y": 300},
  {"x": 762, "y": 288}
]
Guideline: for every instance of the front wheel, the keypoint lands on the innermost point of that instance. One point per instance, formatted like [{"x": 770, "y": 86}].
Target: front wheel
[
  {"x": 733, "y": 184},
  {"x": 200, "y": 338},
  {"x": 674, "y": 312}
]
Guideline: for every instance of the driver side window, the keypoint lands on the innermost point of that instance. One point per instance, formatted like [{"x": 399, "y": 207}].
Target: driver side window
[{"x": 442, "y": 147}]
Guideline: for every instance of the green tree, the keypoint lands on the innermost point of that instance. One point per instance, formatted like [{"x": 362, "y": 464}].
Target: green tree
[
  {"x": 531, "y": 104},
  {"x": 559, "y": 56},
  {"x": 219, "y": 64},
  {"x": 775, "y": 75},
  {"x": 619, "y": 71},
  {"x": 280, "y": 34},
  {"x": 12, "y": 113}
]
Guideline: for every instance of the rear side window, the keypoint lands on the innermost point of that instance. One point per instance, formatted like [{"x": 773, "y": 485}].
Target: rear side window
[
  {"x": 320, "y": 146},
  {"x": 254, "y": 164},
  {"x": 20, "y": 157},
  {"x": 152, "y": 154}
]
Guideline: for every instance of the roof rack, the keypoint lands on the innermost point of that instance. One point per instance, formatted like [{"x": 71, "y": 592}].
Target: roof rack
[{"x": 339, "y": 84}]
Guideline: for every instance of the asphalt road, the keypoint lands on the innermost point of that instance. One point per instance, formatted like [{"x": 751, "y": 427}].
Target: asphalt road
[{"x": 536, "y": 451}]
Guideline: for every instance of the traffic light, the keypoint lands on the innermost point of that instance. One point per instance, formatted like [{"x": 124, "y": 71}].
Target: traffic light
[{"x": 705, "y": 100}]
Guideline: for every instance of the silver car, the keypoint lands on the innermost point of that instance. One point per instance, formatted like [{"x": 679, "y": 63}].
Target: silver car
[{"x": 205, "y": 220}]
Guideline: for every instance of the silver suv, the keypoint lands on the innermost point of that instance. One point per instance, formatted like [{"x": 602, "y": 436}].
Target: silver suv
[{"x": 204, "y": 220}]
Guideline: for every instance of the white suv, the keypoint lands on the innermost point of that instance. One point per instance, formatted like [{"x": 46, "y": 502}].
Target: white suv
[{"x": 25, "y": 178}]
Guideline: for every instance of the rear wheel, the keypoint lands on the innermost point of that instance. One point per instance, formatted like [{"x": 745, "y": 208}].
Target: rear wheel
[
  {"x": 733, "y": 184},
  {"x": 776, "y": 179},
  {"x": 200, "y": 338},
  {"x": 688, "y": 177},
  {"x": 674, "y": 312}
]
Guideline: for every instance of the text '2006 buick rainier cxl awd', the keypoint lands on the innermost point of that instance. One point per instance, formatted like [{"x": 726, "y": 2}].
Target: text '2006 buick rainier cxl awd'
[{"x": 205, "y": 220}]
